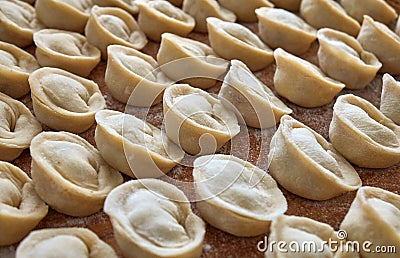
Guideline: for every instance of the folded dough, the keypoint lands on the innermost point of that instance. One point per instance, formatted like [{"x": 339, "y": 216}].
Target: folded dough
[
  {"x": 390, "y": 98},
  {"x": 245, "y": 12},
  {"x": 70, "y": 15},
  {"x": 134, "y": 77},
  {"x": 196, "y": 121},
  {"x": 255, "y": 102},
  {"x": 290, "y": 5},
  {"x": 69, "y": 174},
  {"x": 379, "y": 10},
  {"x": 363, "y": 135},
  {"x": 302, "y": 82},
  {"x": 64, "y": 242},
  {"x": 66, "y": 50},
  {"x": 18, "y": 22},
  {"x": 374, "y": 216},
  {"x": 236, "y": 196},
  {"x": 234, "y": 41},
  {"x": 21, "y": 209},
  {"x": 152, "y": 218},
  {"x": 159, "y": 16},
  {"x": 64, "y": 101},
  {"x": 134, "y": 147},
  {"x": 377, "y": 38},
  {"x": 127, "y": 5},
  {"x": 112, "y": 25},
  {"x": 201, "y": 9},
  {"x": 304, "y": 163},
  {"x": 282, "y": 29},
  {"x": 328, "y": 13},
  {"x": 189, "y": 61},
  {"x": 15, "y": 67},
  {"x": 17, "y": 127},
  {"x": 340, "y": 53}
]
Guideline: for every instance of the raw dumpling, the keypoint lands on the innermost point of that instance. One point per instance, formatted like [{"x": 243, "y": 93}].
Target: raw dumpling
[
  {"x": 64, "y": 101},
  {"x": 255, "y": 102},
  {"x": 69, "y": 174},
  {"x": 112, "y": 25},
  {"x": 362, "y": 134},
  {"x": 340, "y": 53},
  {"x": 64, "y": 242},
  {"x": 69, "y": 51},
  {"x": 379, "y": 10},
  {"x": 304, "y": 163},
  {"x": 390, "y": 99},
  {"x": 21, "y": 209},
  {"x": 234, "y": 41},
  {"x": 374, "y": 217},
  {"x": 291, "y": 5},
  {"x": 18, "y": 22},
  {"x": 235, "y": 196},
  {"x": 328, "y": 13},
  {"x": 282, "y": 29},
  {"x": 127, "y": 5},
  {"x": 190, "y": 61},
  {"x": 302, "y": 82},
  {"x": 196, "y": 121},
  {"x": 377, "y": 38},
  {"x": 15, "y": 67},
  {"x": 159, "y": 16},
  {"x": 134, "y": 77},
  {"x": 245, "y": 12},
  {"x": 70, "y": 15},
  {"x": 201, "y": 9},
  {"x": 152, "y": 218},
  {"x": 134, "y": 147},
  {"x": 17, "y": 128}
]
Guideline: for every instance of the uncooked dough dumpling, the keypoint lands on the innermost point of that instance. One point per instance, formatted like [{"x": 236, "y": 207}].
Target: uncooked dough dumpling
[
  {"x": 390, "y": 98},
  {"x": 302, "y": 82},
  {"x": 245, "y": 12},
  {"x": 21, "y": 209},
  {"x": 379, "y": 10},
  {"x": 127, "y": 5},
  {"x": 290, "y": 5},
  {"x": 152, "y": 218},
  {"x": 304, "y": 163},
  {"x": 363, "y": 135}
]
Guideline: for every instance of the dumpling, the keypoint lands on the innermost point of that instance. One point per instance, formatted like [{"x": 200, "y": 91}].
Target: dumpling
[
  {"x": 18, "y": 22},
  {"x": 302, "y": 82},
  {"x": 339, "y": 53},
  {"x": 235, "y": 196},
  {"x": 328, "y": 13},
  {"x": 159, "y": 16},
  {"x": 377, "y": 38},
  {"x": 21, "y": 209},
  {"x": 134, "y": 147},
  {"x": 282, "y": 29},
  {"x": 201, "y": 9},
  {"x": 134, "y": 77},
  {"x": 291, "y": 5},
  {"x": 111, "y": 25},
  {"x": 70, "y": 242},
  {"x": 127, "y": 5},
  {"x": 17, "y": 127},
  {"x": 234, "y": 41},
  {"x": 304, "y": 163},
  {"x": 15, "y": 67},
  {"x": 69, "y": 174},
  {"x": 152, "y": 218},
  {"x": 390, "y": 98},
  {"x": 255, "y": 102},
  {"x": 70, "y": 15},
  {"x": 196, "y": 121},
  {"x": 374, "y": 217},
  {"x": 189, "y": 61},
  {"x": 245, "y": 12},
  {"x": 363, "y": 135},
  {"x": 64, "y": 101},
  {"x": 66, "y": 50},
  {"x": 379, "y": 10}
]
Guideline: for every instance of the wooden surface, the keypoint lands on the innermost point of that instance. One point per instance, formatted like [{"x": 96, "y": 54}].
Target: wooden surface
[{"x": 218, "y": 243}]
